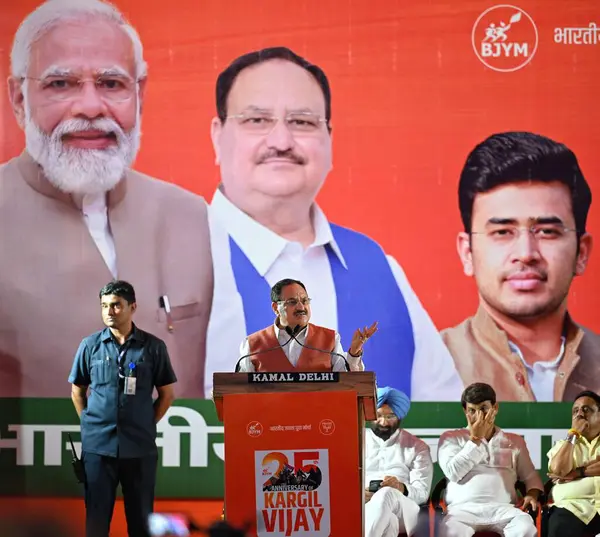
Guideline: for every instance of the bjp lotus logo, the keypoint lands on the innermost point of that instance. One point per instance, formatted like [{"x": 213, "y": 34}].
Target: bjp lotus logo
[{"x": 327, "y": 427}]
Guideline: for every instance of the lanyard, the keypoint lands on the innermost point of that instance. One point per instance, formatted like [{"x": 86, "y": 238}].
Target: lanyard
[{"x": 121, "y": 358}]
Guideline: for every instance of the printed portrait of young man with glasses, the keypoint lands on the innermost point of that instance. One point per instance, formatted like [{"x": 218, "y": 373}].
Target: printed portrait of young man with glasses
[{"x": 524, "y": 204}]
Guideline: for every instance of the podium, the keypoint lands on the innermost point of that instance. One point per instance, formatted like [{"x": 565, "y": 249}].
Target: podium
[{"x": 294, "y": 450}]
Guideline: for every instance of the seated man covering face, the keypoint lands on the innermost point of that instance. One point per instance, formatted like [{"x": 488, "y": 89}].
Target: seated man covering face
[
  {"x": 294, "y": 344},
  {"x": 482, "y": 464},
  {"x": 402, "y": 462}
]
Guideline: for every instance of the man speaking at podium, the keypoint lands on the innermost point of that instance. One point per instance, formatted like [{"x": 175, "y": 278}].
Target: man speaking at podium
[{"x": 293, "y": 344}]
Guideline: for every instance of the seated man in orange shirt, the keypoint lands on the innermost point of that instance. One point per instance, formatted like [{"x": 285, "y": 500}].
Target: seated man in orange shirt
[{"x": 294, "y": 344}]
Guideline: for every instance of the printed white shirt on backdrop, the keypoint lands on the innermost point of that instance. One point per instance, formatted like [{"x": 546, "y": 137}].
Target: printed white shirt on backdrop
[
  {"x": 95, "y": 215},
  {"x": 276, "y": 258},
  {"x": 541, "y": 375}
]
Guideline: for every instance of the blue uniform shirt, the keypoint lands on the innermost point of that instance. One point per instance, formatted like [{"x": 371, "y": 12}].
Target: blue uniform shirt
[{"x": 115, "y": 424}]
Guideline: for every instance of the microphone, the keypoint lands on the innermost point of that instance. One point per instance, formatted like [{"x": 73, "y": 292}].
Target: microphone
[
  {"x": 297, "y": 329},
  {"x": 294, "y": 331},
  {"x": 237, "y": 366}
]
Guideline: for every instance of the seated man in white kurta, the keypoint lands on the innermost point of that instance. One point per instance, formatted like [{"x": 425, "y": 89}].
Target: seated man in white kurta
[
  {"x": 403, "y": 464},
  {"x": 482, "y": 464}
]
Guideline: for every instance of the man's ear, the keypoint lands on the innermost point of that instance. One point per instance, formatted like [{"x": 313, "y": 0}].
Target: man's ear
[
  {"x": 584, "y": 253},
  {"x": 142, "y": 92},
  {"x": 463, "y": 247},
  {"x": 16, "y": 95},
  {"x": 216, "y": 130}
]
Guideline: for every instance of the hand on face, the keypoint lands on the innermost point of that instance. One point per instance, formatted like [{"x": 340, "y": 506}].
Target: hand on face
[
  {"x": 586, "y": 417},
  {"x": 481, "y": 424},
  {"x": 580, "y": 424}
]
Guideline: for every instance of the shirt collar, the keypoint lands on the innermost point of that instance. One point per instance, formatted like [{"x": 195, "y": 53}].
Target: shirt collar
[
  {"x": 498, "y": 435},
  {"x": 261, "y": 245},
  {"x": 91, "y": 203},
  {"x": 545, "y": 365},
  {"x": 136, "y": 335},
  {"x": 300, "y": 336},
  {"x": 591, "y": 444},
  {"x": 390, "y": 441}
]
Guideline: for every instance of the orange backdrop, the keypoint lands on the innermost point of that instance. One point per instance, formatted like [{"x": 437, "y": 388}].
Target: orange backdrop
[{"x": 410, "y": 100}]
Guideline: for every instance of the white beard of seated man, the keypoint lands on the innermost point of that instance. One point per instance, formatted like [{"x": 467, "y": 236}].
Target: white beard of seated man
[{"x": 403, "y": 464}]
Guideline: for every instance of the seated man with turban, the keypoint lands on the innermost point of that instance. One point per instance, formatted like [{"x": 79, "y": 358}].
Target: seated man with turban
[{"x": 401, "y": 462}]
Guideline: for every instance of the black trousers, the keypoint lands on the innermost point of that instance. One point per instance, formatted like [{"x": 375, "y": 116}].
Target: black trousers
[
  {"x": 563, "y": 523},
  {"x": 137, "y": 478}
]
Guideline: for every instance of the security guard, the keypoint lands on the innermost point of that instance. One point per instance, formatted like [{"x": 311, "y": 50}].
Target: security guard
[{"x": 120, "y": 365}]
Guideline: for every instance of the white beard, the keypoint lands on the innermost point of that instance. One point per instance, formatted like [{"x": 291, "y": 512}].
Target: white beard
[{"x": 82, "y": 171}]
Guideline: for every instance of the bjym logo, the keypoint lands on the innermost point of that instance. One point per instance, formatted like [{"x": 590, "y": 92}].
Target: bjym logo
[{"x": 504, "y": 38}]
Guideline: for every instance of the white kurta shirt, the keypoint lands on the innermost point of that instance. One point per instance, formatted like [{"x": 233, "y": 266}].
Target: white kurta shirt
[
  {"x": 403, "y": 456},
  {"x": 276, "y": 258},
  {"x": 292, "y": 349},
  {"x": 485, "y": 473},
  {"x": 95, "y": 215}
]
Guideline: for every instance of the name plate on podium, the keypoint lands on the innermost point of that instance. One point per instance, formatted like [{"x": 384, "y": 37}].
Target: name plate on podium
[{"x": 304, "y": 377}]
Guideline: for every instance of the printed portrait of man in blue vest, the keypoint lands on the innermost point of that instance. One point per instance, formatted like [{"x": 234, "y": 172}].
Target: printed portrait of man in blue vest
[{"x": 272, "y": 140}]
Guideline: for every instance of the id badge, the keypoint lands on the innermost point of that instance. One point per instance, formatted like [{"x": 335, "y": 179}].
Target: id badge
[{"x": 130, "y": 385}]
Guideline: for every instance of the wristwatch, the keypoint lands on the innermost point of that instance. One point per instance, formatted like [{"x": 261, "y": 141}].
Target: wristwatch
[
  {"x": 572, "y": 436},
  {"x": 581, "y": 471}
]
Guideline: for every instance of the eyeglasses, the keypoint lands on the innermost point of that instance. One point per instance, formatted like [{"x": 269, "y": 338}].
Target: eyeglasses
[
  {"x": 262, "y": 123},
  {"x": 293, "y": 302},
  {"x": 507, "y": 234},
  {"x": 585, "y": 409},
  {"x": 68, "y": 88}
]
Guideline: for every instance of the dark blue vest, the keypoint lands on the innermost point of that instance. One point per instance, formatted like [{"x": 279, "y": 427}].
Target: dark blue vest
[{"x": 366, "y": 292}]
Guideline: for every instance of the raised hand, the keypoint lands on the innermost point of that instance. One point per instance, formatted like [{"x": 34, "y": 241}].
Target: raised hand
[{"x": 360, "y": 337}]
